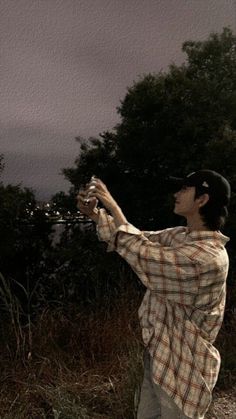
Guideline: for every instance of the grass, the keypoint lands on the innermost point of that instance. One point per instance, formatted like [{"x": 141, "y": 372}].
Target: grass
[
  {"x": 80, "y": 366},
  {"x": 72, "y": 363}
]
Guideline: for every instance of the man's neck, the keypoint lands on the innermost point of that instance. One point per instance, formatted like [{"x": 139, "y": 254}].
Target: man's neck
[{"x": 195, "y": 223}]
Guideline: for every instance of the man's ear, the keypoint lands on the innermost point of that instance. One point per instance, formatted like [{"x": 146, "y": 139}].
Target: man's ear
[{"x": 203, "y": 199}]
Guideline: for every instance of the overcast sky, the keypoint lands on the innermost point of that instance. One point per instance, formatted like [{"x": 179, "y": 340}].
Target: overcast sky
[{"x": 66, "y": 64}]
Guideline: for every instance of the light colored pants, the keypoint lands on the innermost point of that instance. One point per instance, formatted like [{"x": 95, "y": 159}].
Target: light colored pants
[{"x": 154, "y": 402}]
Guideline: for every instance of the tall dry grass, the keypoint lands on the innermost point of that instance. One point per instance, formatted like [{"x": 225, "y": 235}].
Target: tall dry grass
[
  {"x": 72, "y": 362},
  {"x": 80, "y": 365}
]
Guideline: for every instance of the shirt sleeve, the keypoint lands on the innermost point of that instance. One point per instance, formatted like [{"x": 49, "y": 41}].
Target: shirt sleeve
[
  {"x": 162, "y": 269},
  {"x": 163, "y": 237},
  {"x": 105, "y": 226}
]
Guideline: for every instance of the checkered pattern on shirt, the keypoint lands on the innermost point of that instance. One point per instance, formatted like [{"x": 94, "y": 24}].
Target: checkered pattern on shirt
[{"x": 182, "y": 311}]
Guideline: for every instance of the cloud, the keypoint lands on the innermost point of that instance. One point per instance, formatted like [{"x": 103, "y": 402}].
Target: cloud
[
  {"x": 35, "y": 157},
  {"x": 41, "y": 172},
  {"x": 67, "y": 65}
]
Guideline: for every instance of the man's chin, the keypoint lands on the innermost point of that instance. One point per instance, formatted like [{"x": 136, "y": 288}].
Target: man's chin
[{"x": 177, "y": 212}]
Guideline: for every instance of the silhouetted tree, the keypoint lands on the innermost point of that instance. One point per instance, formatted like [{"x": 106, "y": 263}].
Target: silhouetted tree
[
  {"x": 25, "y": 241},
  {"x": 171, "y": 123}
]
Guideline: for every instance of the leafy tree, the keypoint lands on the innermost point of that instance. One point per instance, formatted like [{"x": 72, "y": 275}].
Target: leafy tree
[
  {"x": 80, "y": 275},
  {"x": 171, "y": 123},
  {"x": 25, "y": 241}
]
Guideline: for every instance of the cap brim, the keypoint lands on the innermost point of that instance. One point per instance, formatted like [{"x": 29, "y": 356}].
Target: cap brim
[{"x": 176, "y": 182}]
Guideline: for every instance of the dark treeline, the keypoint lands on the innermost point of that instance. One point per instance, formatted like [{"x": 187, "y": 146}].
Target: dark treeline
[{"x": 171, "y": 123}]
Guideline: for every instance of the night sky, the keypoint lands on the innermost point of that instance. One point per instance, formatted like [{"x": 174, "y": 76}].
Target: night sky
[{"x": 65, "y": 66}]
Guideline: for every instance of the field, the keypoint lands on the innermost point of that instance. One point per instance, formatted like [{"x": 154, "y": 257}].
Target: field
[{"x": 88, "y": 365}]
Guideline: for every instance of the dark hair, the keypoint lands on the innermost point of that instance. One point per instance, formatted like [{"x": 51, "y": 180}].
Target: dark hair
[{"x": 212, "y": 213}]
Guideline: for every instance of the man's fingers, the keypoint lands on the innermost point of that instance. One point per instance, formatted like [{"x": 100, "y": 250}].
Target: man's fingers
[
  {"x": 86, "y": 208},
  {"x": 80, "y": 201},
  {"x": 81, "y": 197},
  {"x": 99, "y": 185},
  {"x": 81, "y": 192}
]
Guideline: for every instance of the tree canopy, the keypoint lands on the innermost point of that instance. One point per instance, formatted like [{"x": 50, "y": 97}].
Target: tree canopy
[{"x": 172, "y": 122}]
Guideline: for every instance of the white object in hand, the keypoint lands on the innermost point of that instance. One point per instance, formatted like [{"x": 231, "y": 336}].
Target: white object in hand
[{"x": 90, "y": 189}]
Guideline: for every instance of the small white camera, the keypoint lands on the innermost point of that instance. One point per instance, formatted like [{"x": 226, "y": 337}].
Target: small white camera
[{"x": 90, "y": 189}]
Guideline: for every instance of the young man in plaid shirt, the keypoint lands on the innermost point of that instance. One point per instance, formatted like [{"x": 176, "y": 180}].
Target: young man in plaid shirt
[{"x": 184, "y": 270}]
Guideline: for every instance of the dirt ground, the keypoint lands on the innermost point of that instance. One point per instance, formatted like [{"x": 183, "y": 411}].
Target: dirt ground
[{"x": 223, "y": 405}]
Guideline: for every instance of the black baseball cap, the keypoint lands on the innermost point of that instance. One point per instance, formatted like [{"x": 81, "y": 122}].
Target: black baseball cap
[{"x": 206, "y": 181}]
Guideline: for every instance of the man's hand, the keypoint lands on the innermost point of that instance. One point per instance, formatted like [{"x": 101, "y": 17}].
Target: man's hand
[
  {"x": 89, "y": 208},
  {"x": 99, "y": 191}
]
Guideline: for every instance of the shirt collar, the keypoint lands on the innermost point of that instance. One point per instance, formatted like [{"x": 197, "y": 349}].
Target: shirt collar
[{"x": 207, "y": 234}]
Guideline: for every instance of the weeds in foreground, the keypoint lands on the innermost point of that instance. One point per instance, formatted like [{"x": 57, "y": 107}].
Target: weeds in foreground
[
  {"x": 82, "y": 365},
  {"x": 20, "y": 342}
]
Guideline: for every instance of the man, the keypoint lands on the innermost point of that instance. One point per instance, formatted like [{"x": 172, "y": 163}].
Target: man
[{"x": 184, "y": 270}]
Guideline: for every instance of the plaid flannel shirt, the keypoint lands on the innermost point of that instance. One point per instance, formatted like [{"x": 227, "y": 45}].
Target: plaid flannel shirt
[{"x": 182, "y": 311}]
